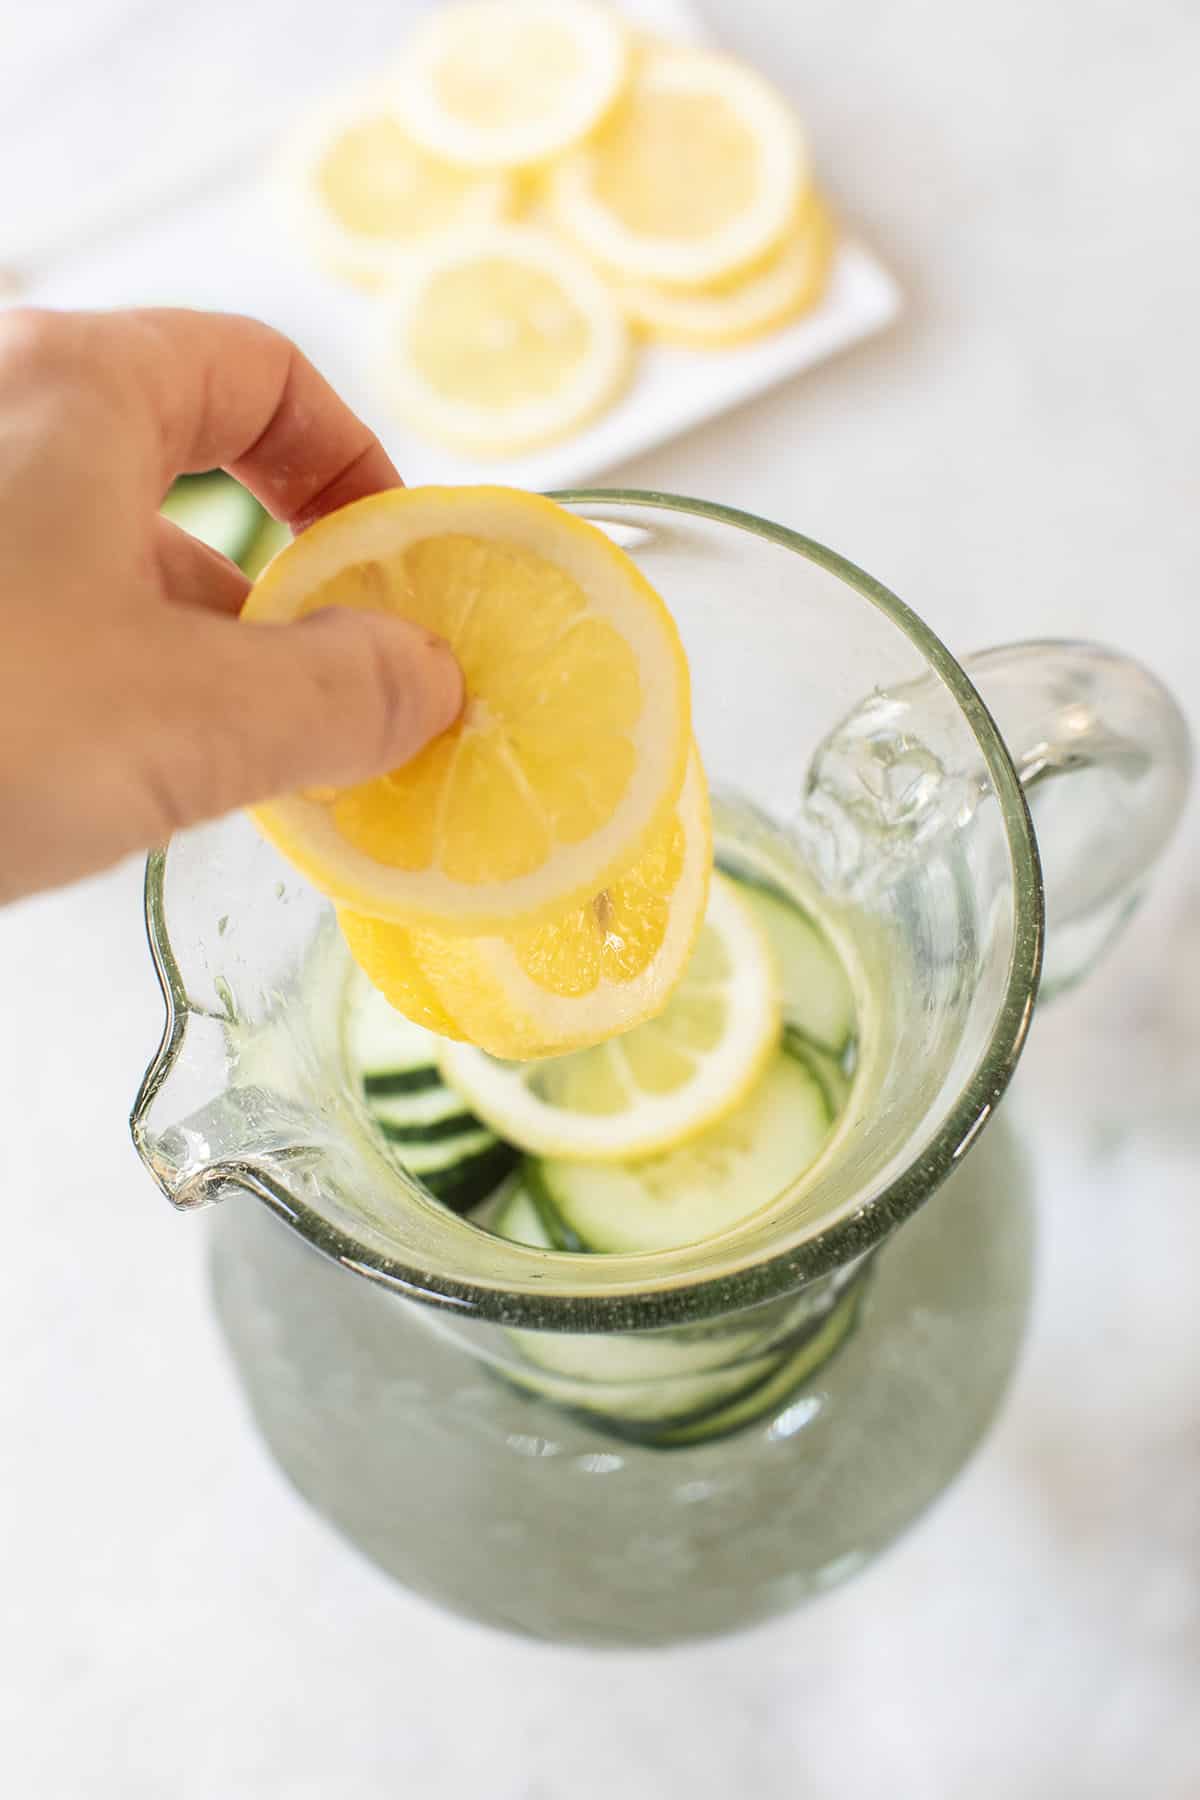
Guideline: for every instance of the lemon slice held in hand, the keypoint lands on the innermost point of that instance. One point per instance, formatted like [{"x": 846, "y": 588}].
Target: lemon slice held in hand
[
  {"x": 569, "y": 755},
  {"x": 573, "y": 981},
  {"x": 657, "y": 1085}
]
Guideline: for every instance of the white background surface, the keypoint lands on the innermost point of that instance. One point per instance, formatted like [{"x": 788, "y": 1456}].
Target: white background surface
[{"x": 1019, "y": 457}]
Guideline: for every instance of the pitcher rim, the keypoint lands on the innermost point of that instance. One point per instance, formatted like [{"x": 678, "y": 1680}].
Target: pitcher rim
[{"x": 652, "y": 1300}]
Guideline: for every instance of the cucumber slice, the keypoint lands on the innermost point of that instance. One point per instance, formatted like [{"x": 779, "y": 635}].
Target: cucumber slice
[
  {"x": 771, "y": 1395},
  {"x": 640, "y": 1357},
  {"x": 642, "y": 1410},
  {"x": 418, "y": 1115},
  {"x": 471, "y": 1180},
  {"x": 438, "y": 1157},
  {"x": 817, "y": 997},
  {"x": 217, "y": 510},
  {"x": 562, "y": 1235},
  {"x": 403, "y": 1081},
  {"x": 665, "y": 1390},
  {"x": 519, "y": 1220},
  {"x": 429, "y": 1132},
  {"x": 706, "y": 1186},
  {"x": 828, "y": 1070},
  {"x": 390, "y": 1054},
  {"x": 681, "y": 1410},
  {"x": 454, "y": 1125},
  {"x": 638, "y": 1378},
  {"x": 462, "y": 1172}
]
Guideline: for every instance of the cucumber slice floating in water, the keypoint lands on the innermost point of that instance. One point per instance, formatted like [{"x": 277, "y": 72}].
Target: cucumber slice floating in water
[
  {"x": 817, "y": 997},
  {"x": 830, "y": 1071},
  {"x": 562, "y": 1236},
  {"x": 419, "y": 1115},
  {"x": 673, "y": 1389},
  {"x": 427, "y": 1129},
  {"x": 459, "y": 1160},
  {"x": 705, "y": 1186},
  {"x": 664, "y": 1389},
  {"x": 771, "y": 1396},
  {"x": 471, "y": 1179},
  {"x": 634, "y": 1378},
  {"x": 439, "y": 1157},
  {"x": 519, "y": 1219},
  {"x": 217, "y": 510},
  {"x": 389, "y": 1052},
  {"x": 642, "y": 1408}
]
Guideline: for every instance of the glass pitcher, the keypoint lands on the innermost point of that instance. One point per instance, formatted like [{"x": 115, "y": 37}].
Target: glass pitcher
[{"x": 633, "y": 1449}]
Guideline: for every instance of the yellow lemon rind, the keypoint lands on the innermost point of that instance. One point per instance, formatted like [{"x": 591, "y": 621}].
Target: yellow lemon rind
[
  {"x": 653, "y": 1123},
  {"x": 481, "y": 985},
  {"x": 787, "y": 286},
  {"x": 384, "y": 525},
  {"x": 603, "y": 43},
  {"x": 364, "y": 260},
  {"x": 477, "y": 428},
  {"x": 739, "y": 242}
]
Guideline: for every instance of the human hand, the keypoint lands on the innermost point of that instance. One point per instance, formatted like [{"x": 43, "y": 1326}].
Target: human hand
[{"x": 132, "y": 703}]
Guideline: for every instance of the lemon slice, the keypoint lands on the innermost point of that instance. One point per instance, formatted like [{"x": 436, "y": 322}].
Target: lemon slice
[
  {"x": 502, "y": 340},
  {"x": 786, "y": 284},
  {"x": 577, "y": 979},
  {"x": 658, "y": 1085},
  {"x": 698, "y": 173},
  {"x": 504, "y": 83},
  {"x": 571, "y": 749},
  {"x": 362, "y": 195},
  {"x": 386, "y": 955}
]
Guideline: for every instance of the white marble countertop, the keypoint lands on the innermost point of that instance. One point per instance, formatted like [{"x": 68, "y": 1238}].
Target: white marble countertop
[{"x": 1020, "y": 457}]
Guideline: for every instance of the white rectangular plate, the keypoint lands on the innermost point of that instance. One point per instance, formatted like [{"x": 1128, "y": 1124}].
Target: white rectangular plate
[{"x": 225, "y": 247}]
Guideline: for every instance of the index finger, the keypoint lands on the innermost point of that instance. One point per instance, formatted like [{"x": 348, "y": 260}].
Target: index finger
[{"x": 219, "y": 390}]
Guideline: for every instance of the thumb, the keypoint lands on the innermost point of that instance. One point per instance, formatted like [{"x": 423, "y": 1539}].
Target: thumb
[{"x": 268, "y": 709}]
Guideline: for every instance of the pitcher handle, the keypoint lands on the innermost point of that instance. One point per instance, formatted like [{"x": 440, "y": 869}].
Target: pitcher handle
[{"x": 1076, "y": 709}]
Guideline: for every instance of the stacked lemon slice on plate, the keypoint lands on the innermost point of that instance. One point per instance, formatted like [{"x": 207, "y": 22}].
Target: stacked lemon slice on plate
[
  {"x": 532, "y": 188},
  {"x": 360, "y": 189}
]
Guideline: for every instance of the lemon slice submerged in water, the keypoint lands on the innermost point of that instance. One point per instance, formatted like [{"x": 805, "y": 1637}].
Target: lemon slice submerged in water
[{"x": 657, "y": 1085}]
